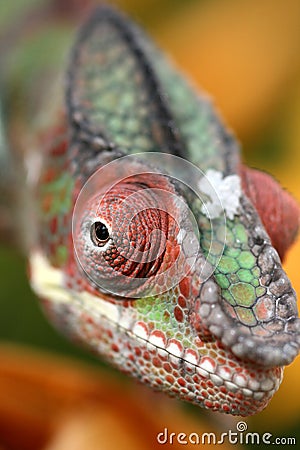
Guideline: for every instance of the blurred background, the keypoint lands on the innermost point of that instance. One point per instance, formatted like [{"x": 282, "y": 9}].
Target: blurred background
[{"x": 246, "y": 55}]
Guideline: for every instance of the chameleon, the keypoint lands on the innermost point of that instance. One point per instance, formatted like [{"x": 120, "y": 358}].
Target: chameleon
[{"x": 199, "y": 309}]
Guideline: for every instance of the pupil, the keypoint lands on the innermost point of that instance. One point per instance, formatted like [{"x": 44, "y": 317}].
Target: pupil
[{"x": 100, "y": 233}]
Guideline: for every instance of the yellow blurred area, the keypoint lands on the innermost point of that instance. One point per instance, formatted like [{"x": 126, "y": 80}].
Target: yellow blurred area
[{"x": 246, "y": 53}]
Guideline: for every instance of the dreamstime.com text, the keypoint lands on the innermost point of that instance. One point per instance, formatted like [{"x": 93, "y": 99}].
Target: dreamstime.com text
[{"x": 240, "y": 436}]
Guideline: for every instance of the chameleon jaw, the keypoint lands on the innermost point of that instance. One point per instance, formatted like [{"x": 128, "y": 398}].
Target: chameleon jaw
[{"x": 206, "y": 374}]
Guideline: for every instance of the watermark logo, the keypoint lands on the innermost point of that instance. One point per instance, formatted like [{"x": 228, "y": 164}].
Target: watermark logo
[
  {"x": 136, "y": 224},
  {"x": 238, "y": 436}
]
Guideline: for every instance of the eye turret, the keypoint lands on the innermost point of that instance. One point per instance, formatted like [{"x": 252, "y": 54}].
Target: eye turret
[{"x": 133, "y": 238}]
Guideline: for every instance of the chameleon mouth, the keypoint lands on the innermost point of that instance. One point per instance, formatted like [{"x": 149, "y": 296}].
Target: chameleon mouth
[
  {"x": 210, "y": 376},
  {"x": 204, "y": 373},
  {"x": 235, "y": 376}
]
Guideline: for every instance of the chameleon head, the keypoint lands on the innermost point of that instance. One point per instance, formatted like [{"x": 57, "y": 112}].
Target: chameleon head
[
  {"x": 208, "y": 317},
  {"x": 217, "y": 336}
]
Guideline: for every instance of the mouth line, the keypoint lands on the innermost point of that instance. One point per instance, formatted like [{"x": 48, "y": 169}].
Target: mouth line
[{"x": 47, "y": 282}]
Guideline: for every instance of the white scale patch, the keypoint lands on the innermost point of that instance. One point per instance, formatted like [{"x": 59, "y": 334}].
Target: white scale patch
[
  {"x": 48, "y": 283},
  {"x": 174, "y": 350},
  {"x": 140, "y": 331},
  {"x": 157, "y": 341},
  {"x": 224, "y": 194},
  {"x": 190, "y": 356}
]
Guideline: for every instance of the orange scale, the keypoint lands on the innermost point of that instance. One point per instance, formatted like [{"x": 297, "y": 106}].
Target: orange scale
[
  {"x": 115, "y": 348},
  {"x": 137, "y": 351},
  {"x": 210, "y": 384},
  {"x": 152, "y": 350},
  {"x": 156, "y": 362},
  {"x": 175, "y": 365},
  {"x": 167, "y": 367},
  {"x": 181, "y": 382},
  {"x": 203, "y": 383},
  {"x": 178, "y": 314},
  {"x": 181, "y": 301},
  {"x": 190, "y": 369},
  {"x": 208, "y": 404},
  {"x": 184, "y": 391},
  {"x": 187, "y": 332},
  {"x": 226, "y": 408},
  {"x": 198, "y": 342},
  {"x": 184, "y": 287},
  {"x": 146, "y": 356},
  {"x": 163, "y": 357},
  {"x": 188, "y": 379},
  {"x": 221, "y": 361},
  {"x": 231, "y": 364},
  {"x": 170, "y": 379}
]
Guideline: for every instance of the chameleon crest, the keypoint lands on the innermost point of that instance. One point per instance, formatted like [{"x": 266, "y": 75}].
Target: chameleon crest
[{"x": 153, "y": 248}]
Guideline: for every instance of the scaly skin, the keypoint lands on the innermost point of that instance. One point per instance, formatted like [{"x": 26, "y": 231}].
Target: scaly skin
[{"x": 218, "y": 340}]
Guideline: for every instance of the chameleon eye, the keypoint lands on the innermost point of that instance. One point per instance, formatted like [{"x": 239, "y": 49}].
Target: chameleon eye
[
  {"x": 99, "y": 234},
  {"x": 133, "y": 233}
]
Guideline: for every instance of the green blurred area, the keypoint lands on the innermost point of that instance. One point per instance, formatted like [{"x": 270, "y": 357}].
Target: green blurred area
[{"x": 21, "y": 319}]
